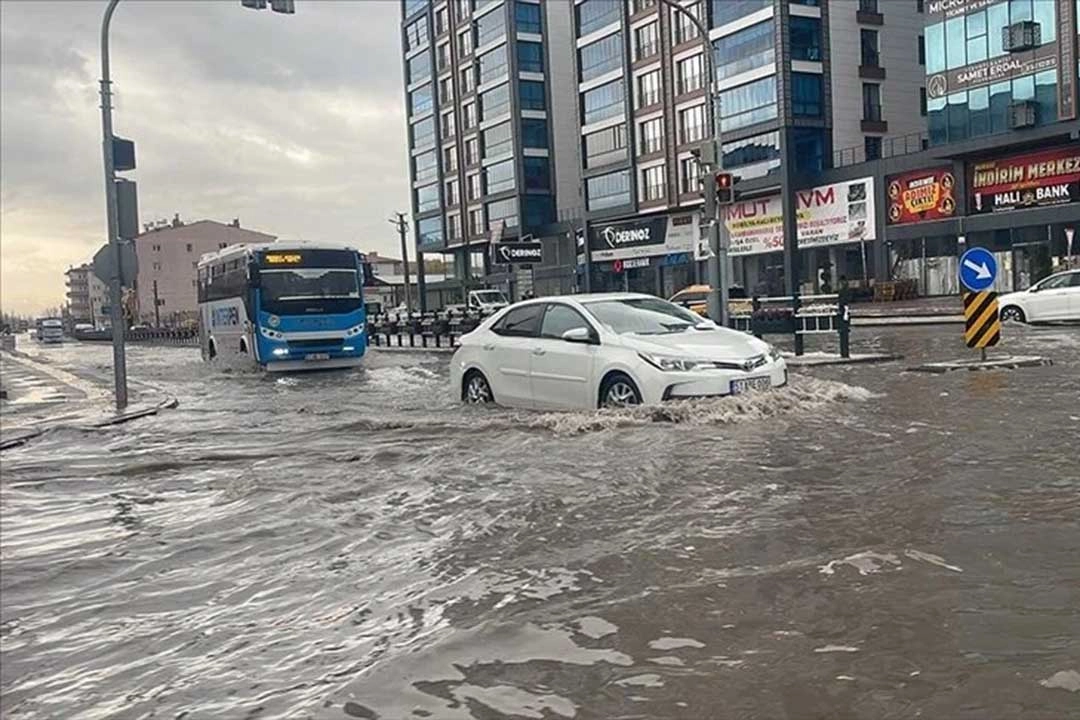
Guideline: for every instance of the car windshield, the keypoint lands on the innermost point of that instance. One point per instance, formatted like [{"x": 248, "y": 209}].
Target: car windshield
[
  {"x": 642, "y": 316},
  {"x": 490, "y": 296},
  {"x": 307, "y": 283}
]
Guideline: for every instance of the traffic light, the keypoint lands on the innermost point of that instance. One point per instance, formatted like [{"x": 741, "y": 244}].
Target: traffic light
[{"x": 725, "y": 188}]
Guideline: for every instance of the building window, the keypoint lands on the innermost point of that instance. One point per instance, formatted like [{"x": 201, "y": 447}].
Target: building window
[
  {"x": 412, "y": 6},
  {"x": 922, "y": 101},
  {"x": 605, "y": 147},
  {"x": 595, "y": 14},
  {"x": 648, "y": 89},
  {"x": 464, "y": 44},
  {"x": 474, "y": 186},
  {"x": 868, "y": 46},
  {"x": 416, "y": 33},
  {"x": 653, "y": 183},
  {"x": 427, "y": 198},
  {"x": 446, "y": 91},
  {"x": 472, "y": 151},
  {"x": 499, "y": 177},
  {"x": 423, "y": 133},
  {"x": 189, "y": 247},
  {"x": 493, "y": 65},
  {"x": 871, "y": 94},
  {"x": 420, "y": 101},
  {"x": 530, "y": 57},
  {"x": 505, "y": 210},
  {"x": 453, "y": 193},
  {"x": 447, "y": 124},
  {"x": 537, "y": 173},
  {"x": 539, "y": 210},
  {"x": 727, "y": 11},
  {"x": 603, "y": 102},
  {"x": 608, "y": 191},
  {"x": 748, "y": 104},
  {"x": 534, "y": 133},
  {"x": 747, "y": 49},
  {"x": 469, "y": 117},
  {"x": 468, "y": 80},
  {"x": 531, "y": 95},
  {"x": 692, "y": 124},
  {"x": 689, "y": 176},
  {"x": 806, "y": 94},
  {"x": 418, "y": 68},
  {"x": 442, "y": 56},
  {"x": 429, "y": 231},
  {"x": 868, "y": 6},
  {"x": 453, "y": 227},
  {"x": 691, "y": 73},
  {"x": 805, "y": 38},
  {"x": 157, "y": 267},
  {"x": 646, "y": 41},
  {"x": 684, "y": 29},
  {"x": 450, "y": 159},
  {"x": 809, "y": 150},
  {"x": 498, "y": 141},
  {"x": 643, "y": 5},
  {"x": 873, "y": 148},
  {"x": 528, "y": 18},
  {"x": 490, "y": 28},
  {"x": 601, "y": 57},
  {"x": 464, "y": 9},
  {"x": 651, "y": 136},
  {"x": 476, "y": 221},
  {"x": 442, "y": 20},
  {"x": 425, "y": 167},
  {"x": 922, "y": 50}
]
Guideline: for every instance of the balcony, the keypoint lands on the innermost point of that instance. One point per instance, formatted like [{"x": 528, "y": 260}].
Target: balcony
[
  {"x": 872, "y": 121},
  {"x": 870, "y": 65},
  {"x": 868, "y": 13}
]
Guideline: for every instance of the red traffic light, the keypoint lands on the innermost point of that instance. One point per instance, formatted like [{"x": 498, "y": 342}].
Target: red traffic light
[{"x": 724, "y": 181}]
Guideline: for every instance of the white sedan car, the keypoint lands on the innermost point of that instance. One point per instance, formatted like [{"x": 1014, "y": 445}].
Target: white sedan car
[
  {"x": 1054, "y": 298},
  {"x": 607, "y": 350}
]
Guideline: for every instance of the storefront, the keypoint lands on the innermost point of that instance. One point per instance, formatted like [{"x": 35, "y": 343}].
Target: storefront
[{"x": 648, "y": 254}]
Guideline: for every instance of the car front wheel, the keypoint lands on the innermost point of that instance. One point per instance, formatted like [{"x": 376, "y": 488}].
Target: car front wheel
[
  {"x": 476, "y": 390},
  {"x": 619, "y": 391},
  {"x": 1011, "y": 313}
]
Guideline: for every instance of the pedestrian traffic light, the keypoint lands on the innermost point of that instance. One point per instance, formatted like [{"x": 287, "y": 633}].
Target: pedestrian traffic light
[
  {"x": 725, "y": 188},
  {"x": 282, "y": 6}
]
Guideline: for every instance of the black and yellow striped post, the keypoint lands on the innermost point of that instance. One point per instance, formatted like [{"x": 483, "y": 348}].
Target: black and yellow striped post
[{"x": 982, "y": 326}]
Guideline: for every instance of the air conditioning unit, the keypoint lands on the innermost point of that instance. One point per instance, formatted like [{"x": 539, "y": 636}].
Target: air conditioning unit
[
  {"x": 1026, "y": 35},
  {"x": 1022, "y": 114}
]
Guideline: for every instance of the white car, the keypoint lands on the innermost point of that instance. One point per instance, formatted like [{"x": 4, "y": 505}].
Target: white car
[
  {"x": 1056, "y": 297},
  {"x": 607, "y": 350}
]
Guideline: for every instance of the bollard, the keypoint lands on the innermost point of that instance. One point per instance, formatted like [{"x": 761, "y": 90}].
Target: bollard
[
  {"x": 755, "y": 307},
  {"x": 796, "y": 305},
  {"x": 843, "y": 319}
]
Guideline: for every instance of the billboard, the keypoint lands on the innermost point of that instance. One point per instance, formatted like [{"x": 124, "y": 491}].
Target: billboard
[
  {"x": 644, "y": 237},
  {"x": 1037, "y": 179},
  {"x": 921, "y": 195},
  {"x": 825, "y": 215}
]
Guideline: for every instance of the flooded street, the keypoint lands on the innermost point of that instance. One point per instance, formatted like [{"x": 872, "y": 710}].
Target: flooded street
[{"x": 866, "y": 543}]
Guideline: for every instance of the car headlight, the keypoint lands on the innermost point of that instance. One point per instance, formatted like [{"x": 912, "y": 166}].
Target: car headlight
[
  {"x": 673, "y": 364},
  {"x": 774, "y": 353}
]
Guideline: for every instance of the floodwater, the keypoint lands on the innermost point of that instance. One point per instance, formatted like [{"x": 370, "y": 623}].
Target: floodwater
[{"x": 867, "y": 543}]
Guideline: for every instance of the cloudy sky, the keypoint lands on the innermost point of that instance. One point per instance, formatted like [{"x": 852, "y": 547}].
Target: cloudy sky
[{"x": 294, "y": 124}]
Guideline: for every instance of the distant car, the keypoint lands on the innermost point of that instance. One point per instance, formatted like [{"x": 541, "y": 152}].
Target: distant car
[
  {"x": 607, "y": 350},
  {"x": 1054, "y": 298},
  {"x": 696, "y": 299}
]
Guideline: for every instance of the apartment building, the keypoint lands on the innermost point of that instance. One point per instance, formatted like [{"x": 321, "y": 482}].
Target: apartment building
[
  {"x": 87, "y": 296},
  {"x": 800, "y": 82},
  {"x": 490, "y": 105},
  {"x": 168, "y": 258}
]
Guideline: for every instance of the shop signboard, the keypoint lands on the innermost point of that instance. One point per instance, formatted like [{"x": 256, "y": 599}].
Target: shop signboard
[
  {"x": 1037, "y": 179},
  {"x": 921, "y": 195},
  {"x": 834, "y": 214},
  {"x": 643, "y": 237}
]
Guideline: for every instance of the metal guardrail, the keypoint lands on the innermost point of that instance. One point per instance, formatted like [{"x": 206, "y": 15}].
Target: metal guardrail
[
  {"x": 890, "y": 147},
  {"x": 439, "y": 329},
  {"x": 794, "y": 315},
  {"x": 154, "y": 336}
]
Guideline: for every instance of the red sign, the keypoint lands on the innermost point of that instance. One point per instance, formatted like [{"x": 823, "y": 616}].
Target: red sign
[
  {"x": 616, "y": 267},
  {"x": 1038, "y": 179},
  {"x": 921, "y": 195}
]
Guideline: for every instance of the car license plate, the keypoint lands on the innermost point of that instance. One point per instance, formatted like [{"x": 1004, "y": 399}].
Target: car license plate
[
  {"x": 746, "y": 384},
  {"x": 317, "y": 356}
]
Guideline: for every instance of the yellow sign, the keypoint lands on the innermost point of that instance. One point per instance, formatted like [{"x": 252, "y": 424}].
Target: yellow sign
[
  {"x": 982, "y": 326},
  {"x": 283, "y": 258}
]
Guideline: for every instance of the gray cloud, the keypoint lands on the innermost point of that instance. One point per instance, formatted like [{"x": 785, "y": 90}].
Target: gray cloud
[{"x": 293, "y": 123}]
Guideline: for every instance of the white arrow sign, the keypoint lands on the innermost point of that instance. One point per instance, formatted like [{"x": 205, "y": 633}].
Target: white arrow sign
[{"x": 981, "y": 270}]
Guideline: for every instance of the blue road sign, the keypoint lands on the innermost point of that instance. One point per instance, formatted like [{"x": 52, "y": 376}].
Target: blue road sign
[{"x": 978, "y": 268}]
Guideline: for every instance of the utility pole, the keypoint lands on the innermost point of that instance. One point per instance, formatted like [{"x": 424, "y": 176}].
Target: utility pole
[
  {"x": 157, "y": 312},
  {"x": 116, "y": 313},
  {"x": 403, "y": 229}
]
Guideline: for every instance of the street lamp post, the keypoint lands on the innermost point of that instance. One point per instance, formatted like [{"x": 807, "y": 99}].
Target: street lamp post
[{"x": 712, "y": 162}]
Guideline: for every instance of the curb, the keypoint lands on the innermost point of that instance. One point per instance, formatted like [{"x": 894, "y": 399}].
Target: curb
[
  {"x": 169, "y": 403},
  {"x": 1009, "y": 363},
  {"x": 406, "y": 349},
  {"x": 804, "y": 361}
]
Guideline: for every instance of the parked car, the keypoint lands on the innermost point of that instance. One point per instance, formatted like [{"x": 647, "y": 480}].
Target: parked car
[
  {"x": 607, "y": 350},
  {"x": 1053, "y": 298},
  {"x": 696, "y": 299}
]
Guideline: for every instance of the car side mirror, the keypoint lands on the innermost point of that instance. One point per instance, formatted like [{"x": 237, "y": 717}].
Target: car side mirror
[
  {"x": 579, "y": 335},
  {"x": 1034, "y": 288}
]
